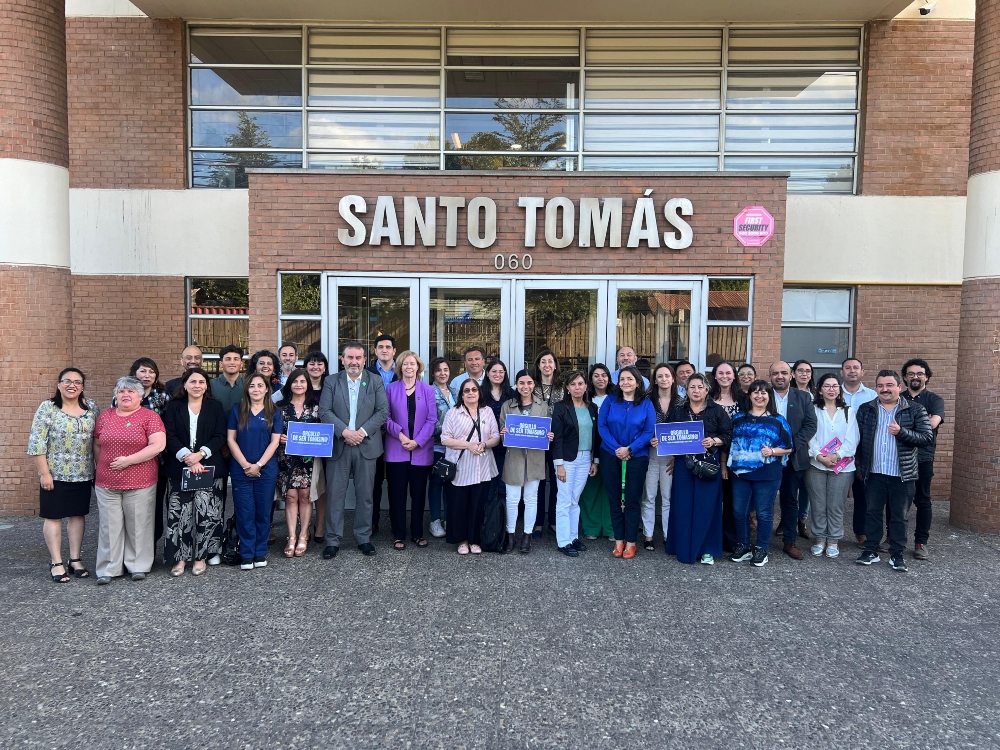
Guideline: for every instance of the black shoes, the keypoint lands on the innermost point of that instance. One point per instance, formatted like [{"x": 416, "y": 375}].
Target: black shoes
[
  {"x": 759, "y": 559},
  {"x": 569, "y": 550},
  {"x": 330, "y": 552},
  {"x": 579, "y": 546},
  {"x": 509, "y": 544},
  {"x": 741, "y": 553},
  {"x": 897, "y": 563},
  {"x": 525, "y": 543},
  {"x": 367, "y": 549},
  {"x": 867, "y": 558}
]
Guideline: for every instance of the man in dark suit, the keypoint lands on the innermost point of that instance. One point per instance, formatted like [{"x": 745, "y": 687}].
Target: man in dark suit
[
  {"x": 385, "y": 367},
  {"x": 354, "y": 403},
  {"x": 798, "y": 410}
]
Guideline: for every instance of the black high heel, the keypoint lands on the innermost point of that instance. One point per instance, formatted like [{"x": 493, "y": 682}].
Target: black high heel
[
  {"x": 62, "y": 577},
  {"x": 78, "y": 572}
]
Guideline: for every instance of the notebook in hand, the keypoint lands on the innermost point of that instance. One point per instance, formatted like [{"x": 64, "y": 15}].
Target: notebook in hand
[{"x": 191, "y": 481}]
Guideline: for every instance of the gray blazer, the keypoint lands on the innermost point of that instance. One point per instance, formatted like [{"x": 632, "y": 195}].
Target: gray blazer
[{"x": 373, "y": 409}]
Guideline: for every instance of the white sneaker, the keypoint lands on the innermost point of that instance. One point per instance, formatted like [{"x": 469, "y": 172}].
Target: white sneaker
[
  {"x": 214, "y": 560},
  {"x": 707, "y": 560},
  {"x": 832, "y": 551},
  {"x": 246, "y": 565},
  {"x": 817, "y": 549},
  {"x": 437, "y": 529},
  {"x": 260, "y": 562}
]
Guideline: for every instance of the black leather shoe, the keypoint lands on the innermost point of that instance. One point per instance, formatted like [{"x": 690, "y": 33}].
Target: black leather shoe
[
  {"x": 569, "y": 550},
  {"x": 367, "y": 549},
  {"x": 525, "y": 543},
  {"x": 579, "y": 546},
  {"x": 508, "y": 545},
  {"x": 330, "y": 552}
]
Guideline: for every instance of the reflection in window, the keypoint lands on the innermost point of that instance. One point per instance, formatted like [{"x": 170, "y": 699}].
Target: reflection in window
[
  {"x": 363, "y": 313},
  {"x": 726, "y": 343},
  {"x": 305, "y": 334},
  {"x": 809, "y": 174},
  {"x": 218, "y": 313},
  {"x": 563, "y": 320},
  {"x": 242, "y": 129},
  {"x": 459, "y": 319},
  {"x": 510, "y": 131},
  {"x": 798, "y": 90},
  {"x": 300, "y": 293},
  {"x": 657, "y": 324},
  {"x": 373, "y": 131},
  {"x": 491, "y": 162},
  {"x": 274, "y": 87},
  {"x": 212, "y": 169},
  {"x": 374, "y": 161},
  {"x": 817, "y": 325},
  {"x": 729, "y": 299},
  {"x": 244, "y": 49}
]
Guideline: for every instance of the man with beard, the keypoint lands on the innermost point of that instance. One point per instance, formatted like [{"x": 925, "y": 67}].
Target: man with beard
[
  {"x": 917, "y": 374},
  {"x": 797, "y": 408},
  {"x": 354, "y": 402},
  {"x": 627, "y": 358},
  {"x": 191, "y": 359},
  {"x": 288, "y": 355}
]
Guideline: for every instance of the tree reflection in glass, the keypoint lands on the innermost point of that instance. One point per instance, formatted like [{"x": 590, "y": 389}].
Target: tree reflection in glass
[{"x": 544, "y": 132}]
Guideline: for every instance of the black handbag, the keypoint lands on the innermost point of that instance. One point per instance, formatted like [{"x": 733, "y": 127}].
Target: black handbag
[
  {"x": 448, "y": 470},
  {"x": 703, "y": 466}
]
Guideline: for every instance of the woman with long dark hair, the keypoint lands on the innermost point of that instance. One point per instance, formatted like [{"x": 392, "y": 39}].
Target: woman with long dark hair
[
  {"x": 497, "y": 391},
  {"x": 254, "y": 431},
  {"x": 595, "y": 514},
  {"x": 318, "y": 367},
  {"x": 831, "y": 472},
  {"x": 549, "y": 391},
  {"x": 266, "y": 363},
  {"x": 761, "y": 441},
  {"x": 444, "y": 400},
  {"x": 196, "y": 432},
  {"x": 626, "y": 422},
  {"x": 524, "y": 468},
  {"x": 660, "y": 474},
  {"x": 62, "y": 444},
  {"x": 696, "y": 502},
  {"x": 299, "y": 403},
  {"x": 726, "y": 392},
  {"x": 575, "y": 443}
]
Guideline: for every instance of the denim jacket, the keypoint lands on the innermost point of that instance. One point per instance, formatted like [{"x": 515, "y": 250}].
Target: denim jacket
[{"x": 443, "y": 405}]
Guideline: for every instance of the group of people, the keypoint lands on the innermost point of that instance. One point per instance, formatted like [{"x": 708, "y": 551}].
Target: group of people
[{"x": 441, "y": 443}]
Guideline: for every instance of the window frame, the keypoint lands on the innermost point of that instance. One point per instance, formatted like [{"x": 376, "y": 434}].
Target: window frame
[
  {"x": 320, "y": 316},
  {"x": 849, "y": 325},
  {"x": 189, "y": 316}
]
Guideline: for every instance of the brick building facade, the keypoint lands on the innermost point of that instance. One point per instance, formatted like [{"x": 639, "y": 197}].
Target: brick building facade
[{"x": 128, "y": 231}]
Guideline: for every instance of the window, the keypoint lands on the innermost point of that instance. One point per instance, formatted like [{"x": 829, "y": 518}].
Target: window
[
  {"x": 817, "y": 325},
  {"x": 736, "y": 99},
  {"x": 300, "y": 315},
  {"x": 218, "y": 315},
  {"x": 729, "y": 318}
]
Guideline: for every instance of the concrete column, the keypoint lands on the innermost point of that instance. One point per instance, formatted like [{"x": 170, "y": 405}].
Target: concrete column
[
  {"x": 35, "y": 300},
  {"x": 975, "y": 489}
]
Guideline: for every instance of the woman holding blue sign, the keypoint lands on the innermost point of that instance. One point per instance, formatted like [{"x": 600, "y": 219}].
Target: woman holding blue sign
[
  {"x": 626, "y": 422},
  {"x": 299, "y": 403},
  {"x": 195, "y": 424},
  {"x": 254, "y": 431},
  {"x": 761, "y": 440},
  {"x": 696, "y": 498},
  {"x": 575, "y": 444},
  {"x": 523, "y": 468},
  {"x": 409, "y": 447},
  {"x": 660, "y": 474}
]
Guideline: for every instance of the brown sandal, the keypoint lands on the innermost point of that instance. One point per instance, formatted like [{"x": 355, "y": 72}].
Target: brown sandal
[
  {"x": 303, "y": 545},
  {"x": 290, "y": 547}
]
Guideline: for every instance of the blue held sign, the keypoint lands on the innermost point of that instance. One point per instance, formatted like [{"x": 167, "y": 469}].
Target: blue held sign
[
  {"x": 527, "y": 432},
  {"x": 679, "y": 438},
  {"x": 309, "y": 439}
]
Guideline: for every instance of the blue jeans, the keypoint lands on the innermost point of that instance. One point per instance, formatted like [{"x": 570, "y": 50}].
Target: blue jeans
[
  {"x": 252, "y": 499},
  {"x": 754, "y": 495},
  {"x": 435, "y": 492}
]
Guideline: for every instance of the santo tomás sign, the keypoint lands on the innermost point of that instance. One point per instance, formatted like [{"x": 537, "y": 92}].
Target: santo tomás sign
[{"x": 753, "y": 226}]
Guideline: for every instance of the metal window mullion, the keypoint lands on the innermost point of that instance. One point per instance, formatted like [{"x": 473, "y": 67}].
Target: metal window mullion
[
  {"x": 443, "y": 97},
  {"x": 241, "y": 108},
  {"x": 723, "y": 93},
  {"x": 582, "y": 86},
  {"x": 305, "y": 96}
]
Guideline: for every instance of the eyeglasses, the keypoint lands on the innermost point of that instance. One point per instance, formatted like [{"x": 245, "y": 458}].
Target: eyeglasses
[
  {"x": 916, "y": 374},
  {"x": 66, "y": 381},
  {"x": 469, "y": 390}
]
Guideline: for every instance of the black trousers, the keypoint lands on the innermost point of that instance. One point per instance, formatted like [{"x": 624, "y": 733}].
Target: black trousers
[
  {"x": 406, "y": 479},
  {"x": 885, "y": 491},
  {"x": 625, "y": 522},
  {"x": 922, "y": 499},
  {"x": 860, "y": 505},
  {"x": 377, "y": 491},
  {"x": 791, "y": 480},
  {"x": 466, "y": 509}
]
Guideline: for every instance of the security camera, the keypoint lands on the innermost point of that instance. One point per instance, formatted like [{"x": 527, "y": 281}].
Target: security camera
[{"x": 927, "y": 8}]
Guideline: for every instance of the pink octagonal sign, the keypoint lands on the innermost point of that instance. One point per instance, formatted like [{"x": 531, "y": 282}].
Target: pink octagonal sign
[{"x": 753, "y": 226}]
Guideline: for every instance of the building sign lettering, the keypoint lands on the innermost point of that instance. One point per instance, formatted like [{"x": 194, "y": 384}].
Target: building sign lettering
[{"x": 585, "y": 222}]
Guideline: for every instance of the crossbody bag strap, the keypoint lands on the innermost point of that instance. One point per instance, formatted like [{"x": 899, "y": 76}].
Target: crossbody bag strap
[{"x": 475, "y": 428}]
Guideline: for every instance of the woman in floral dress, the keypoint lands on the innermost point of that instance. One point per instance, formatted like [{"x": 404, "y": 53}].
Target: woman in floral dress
[{"x": 299, "y": 403}]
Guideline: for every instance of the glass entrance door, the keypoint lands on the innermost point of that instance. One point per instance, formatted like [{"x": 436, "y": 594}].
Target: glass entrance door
[
  {"x": 562, "y": 315},
  {"x": 363, "y": 308}
]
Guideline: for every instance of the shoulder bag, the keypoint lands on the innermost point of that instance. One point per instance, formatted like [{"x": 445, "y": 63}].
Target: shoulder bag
[
  {"x": 447, "y": 470},
  {"x": 703, "y": 465}
]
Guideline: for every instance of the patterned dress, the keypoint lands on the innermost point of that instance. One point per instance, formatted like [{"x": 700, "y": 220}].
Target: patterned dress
[
  {"x": 295, "y": 472},
  {"x": 66, "y": 442}
]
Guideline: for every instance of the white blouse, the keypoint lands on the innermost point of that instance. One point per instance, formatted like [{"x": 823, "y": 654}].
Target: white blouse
[{"x": 827, "y": 428}]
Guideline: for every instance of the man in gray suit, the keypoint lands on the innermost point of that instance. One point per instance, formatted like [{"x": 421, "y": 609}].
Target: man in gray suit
[{"x": 353, "y": 401}]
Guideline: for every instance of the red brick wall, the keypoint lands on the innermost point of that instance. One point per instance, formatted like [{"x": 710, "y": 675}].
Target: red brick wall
[
  {"x": 294, "y": 220},
  {"x": 916, "y": 108},
  {"x": 33, "y": 81},
  {"x": 895, "y": 323},
  {"x": 118, "y": 319},
  {"x": 126, "y": 102},
  {"x": 984, "y": 150},
  {"x": 975, "y": 487},
  {"x": 34, "y": 318}
]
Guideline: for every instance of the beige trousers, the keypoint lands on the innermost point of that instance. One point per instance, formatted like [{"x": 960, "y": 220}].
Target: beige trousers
[{"x": 126, "y": 530}]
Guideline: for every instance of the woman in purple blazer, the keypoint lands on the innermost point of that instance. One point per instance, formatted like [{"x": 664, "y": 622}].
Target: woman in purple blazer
[{"x": 409, "y": 447}]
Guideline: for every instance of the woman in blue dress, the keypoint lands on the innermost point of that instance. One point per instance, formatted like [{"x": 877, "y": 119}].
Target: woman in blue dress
[{"x": 695, "y": 533}]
